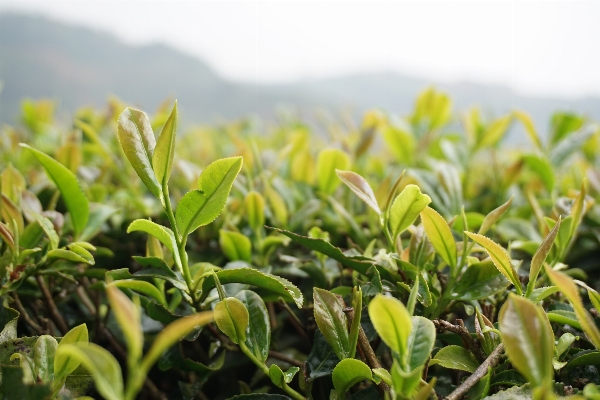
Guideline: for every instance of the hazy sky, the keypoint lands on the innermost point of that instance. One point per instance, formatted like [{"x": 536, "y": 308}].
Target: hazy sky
[{"x": 539, "y": 48}]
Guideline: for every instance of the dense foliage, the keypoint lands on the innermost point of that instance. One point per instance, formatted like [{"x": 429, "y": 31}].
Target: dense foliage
[{"x": 405, "y": 258}]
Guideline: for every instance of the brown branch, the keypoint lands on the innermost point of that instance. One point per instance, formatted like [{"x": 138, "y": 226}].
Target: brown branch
[
  {"x": 283, "y": 357},
  {"x": 25, "y": 315},
  {"x": 472, "y": 344},
  {"x": 479, "y": 373},
  {"x": 58, "y": 320}
]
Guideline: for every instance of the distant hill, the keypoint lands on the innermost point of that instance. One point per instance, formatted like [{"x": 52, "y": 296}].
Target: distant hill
[{"x": 79, "y": 66}]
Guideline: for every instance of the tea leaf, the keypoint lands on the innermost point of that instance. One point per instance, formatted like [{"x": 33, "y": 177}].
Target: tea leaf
[
  {"x": 347, "y": 373},
  {"x": 528, "y": 339},
  {"x": 129, "y": 319},
  {"x": 67, "y": 183},
  {"x": 440, "y": 235},
  {"x": 456, "y": 357},
  {"x": 540, "y": 255},
  {"x": 406, "y": 208},
  {"x": 162, "y": 233},
  {"x": 63, "y": 364},
  {"x": 138, "y": 142},
  {"x": 327, "y": 162},
  {"x": 258, "y": 337},
  {"x": 566, "y": 285},
  {"x": 255, "y": 209},
  {"x": 232, "y": 318},
  {"x": 332, "y": 321},
  {"x": 493, "y": 217},
  {"x": 479, "y": 281},
  {"x": 392, "y": 322},
  {"x": 235, "y": 246},
  {"x": 162, "y": 159},
  {"x": 201, "y": 207},
  {"x": 360, "y": 187},
  {"x": 420, "y": 342},
  {"x": 500, "y": 258}
]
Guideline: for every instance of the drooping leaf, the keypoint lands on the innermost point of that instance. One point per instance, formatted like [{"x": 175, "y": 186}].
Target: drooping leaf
[
  {"x": 360, "y": 264},
  {"x": 162, "y": 159},
  {"x": 456, "y": 357},
  {"x": 500, "y": 258},
  {"x": 258, "y": 337},
  {"x": 360, "y": 187},
  {"x": 528, "y": 339},
  {"x": 347, "y": 373},
  {"x": 67, "y": 183},
  {"x": 201, "y": 207},
  {"x": 327, "y": 162},
  {"x": 162, "y": 233},
  {"x": 138, "y": 143},
  {"x": 332, "y": 321},
  {"x": 406, "y": 208},
  {"x": 251, "y": 276},
  {"x": 566, "y": 285},
  {"x": 392, "y": 322},
  {"x": 420, "y": 342},
  {"x": 232, "y": 318},
  {"x": 439, "y": 234}
]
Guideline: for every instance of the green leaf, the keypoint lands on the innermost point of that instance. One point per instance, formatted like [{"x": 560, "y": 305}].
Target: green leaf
[
  {"x": 420, "y": 342},
  {"x": 101, "y": 364},
  {"x": 327, "y": 162},
  {"x": 566, "y": 285},
  {"x": 254, "y": 277},
  {"x": 529, "y": 127},
  {"x": 360, "y": 187},
  {"x": 67, "y": 255},
  {"x": 48, "y": 229},
  {"x": 347, "y": 373},
  {"x": 355, "y": 326},
  {"x": 43, "y": 356},
  {"x": 201, "y": 207},
  {"x": 406, "y": 208},
  {"x": 138, "y": 142},
  {"x": 332, "y": 321},
  {"x": 143, "y": 287},
  {"x": 440, "y": 235},
  {"x": 479, "y": 281},
  {"x": 9, "y": 212},
  {"x": 235, "y": 245},
  {"x": 540, "y": 255},
  {"x": 542, "y": 168},
  {"x": 392, "y": 322},
  {"x": 64, "y": 365},
  {"x": 493, "y": 217},
  {"x": 232, "y": 318},
  {"x": 360, "y": 264},
  {"x": 499, "y": 257},
  {"x": 258, "y": 336},
  {"x": 254, "y": 204},
  {"x": 67, "y": 183},
  {"x": 162, "y": 160},
  {"x": 162, "y": 233},
  {"x": 456, "y": 357},
  {"x": 280, "y": 378},
  {"x": 528, "y": 339},
  {"x": 129, "y": 319}
]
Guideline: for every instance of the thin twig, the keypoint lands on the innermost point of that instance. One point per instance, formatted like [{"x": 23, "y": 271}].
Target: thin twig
[
  {"x": 283, "y": 357},
  {"x": 367, "y": 351},
  {"x": 58, "y": 320},
  {"x": 479, "y": 373},
  {"x": 25, "y": 315},
  {"x": 473, "y": 345}
]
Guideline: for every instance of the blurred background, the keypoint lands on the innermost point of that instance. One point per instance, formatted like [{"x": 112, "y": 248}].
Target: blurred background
[{"x": 227, "y": 59}]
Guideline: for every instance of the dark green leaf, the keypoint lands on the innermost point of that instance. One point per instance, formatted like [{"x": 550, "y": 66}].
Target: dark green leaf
[{"x": 258, "y": 336}]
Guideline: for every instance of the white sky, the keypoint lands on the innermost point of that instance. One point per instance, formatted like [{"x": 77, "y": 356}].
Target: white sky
[{"x": 538, "y": 48}]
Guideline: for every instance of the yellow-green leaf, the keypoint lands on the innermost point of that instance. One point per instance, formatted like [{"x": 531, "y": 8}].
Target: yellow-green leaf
[
  {"x": 255, "y": 209},
  {"x": 439, "y": 234},
  {"x": 360, "y": 187},
  {"x": 235, "y": 245},
  {"x": 129, "y": 319},
  {"x": 456, "y": 357},
  {"x": 392, "y": 322},
  {"x": 406, "y": 208},
  {"x": 327, "y": 162},
  {"x": 500, "y": 258},
  {"x": 232, "y": 318},
  {"x": 347, "y": 373},
  {"x": 162, "y": 160}
]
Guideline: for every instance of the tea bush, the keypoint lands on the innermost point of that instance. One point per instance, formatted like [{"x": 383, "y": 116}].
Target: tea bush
[{"x": 405, "y": 258}]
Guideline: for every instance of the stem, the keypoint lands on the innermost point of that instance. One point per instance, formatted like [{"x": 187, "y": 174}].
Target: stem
[
  {"x": 479, "y": 373},
  {"x": 57, "y": 318},
  {"x": 291, "y": 392},
  {"x": 472, "y": 344}
]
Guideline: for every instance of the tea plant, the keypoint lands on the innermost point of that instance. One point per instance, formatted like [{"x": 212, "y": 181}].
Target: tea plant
[{"x": 404, "y": 258}]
